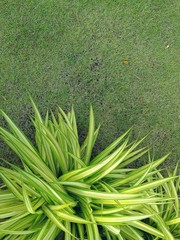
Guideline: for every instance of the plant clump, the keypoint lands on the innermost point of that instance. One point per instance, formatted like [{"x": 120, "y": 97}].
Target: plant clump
[{"x": 62, "y": 192}]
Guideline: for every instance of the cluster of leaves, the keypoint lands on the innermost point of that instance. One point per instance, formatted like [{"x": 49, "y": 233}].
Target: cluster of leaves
[{"x": 63, "y": 193}]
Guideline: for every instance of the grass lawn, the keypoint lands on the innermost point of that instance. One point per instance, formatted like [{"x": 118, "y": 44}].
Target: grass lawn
[{"x": 121, "y": 56}]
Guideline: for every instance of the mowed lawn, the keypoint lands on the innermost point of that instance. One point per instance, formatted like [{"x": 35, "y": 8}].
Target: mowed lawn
[{"x": 121, "y": 56}]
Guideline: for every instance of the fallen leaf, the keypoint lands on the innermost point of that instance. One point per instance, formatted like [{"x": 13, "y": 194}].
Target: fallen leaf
[{"x": 125, "y": 62}]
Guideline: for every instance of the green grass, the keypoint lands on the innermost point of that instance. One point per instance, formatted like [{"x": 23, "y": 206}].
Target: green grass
[{"x": 64, "y": 52}]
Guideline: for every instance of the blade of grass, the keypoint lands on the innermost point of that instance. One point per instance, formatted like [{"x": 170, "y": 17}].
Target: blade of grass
[
  {"x": 146, "y": 186},
  {"x": 101, "y": 195},
  {"x": 116, "y": 220},
  {"x": 109, "y": 149},
  {"x": 49, "y": 213},
  {"x": 138, "y": 172},
  {"x": 90, "y": 137},
  {"x": 147, "y": 228}
]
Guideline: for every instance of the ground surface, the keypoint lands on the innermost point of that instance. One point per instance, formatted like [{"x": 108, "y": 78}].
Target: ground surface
[{"x": 121, "y": 56}]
